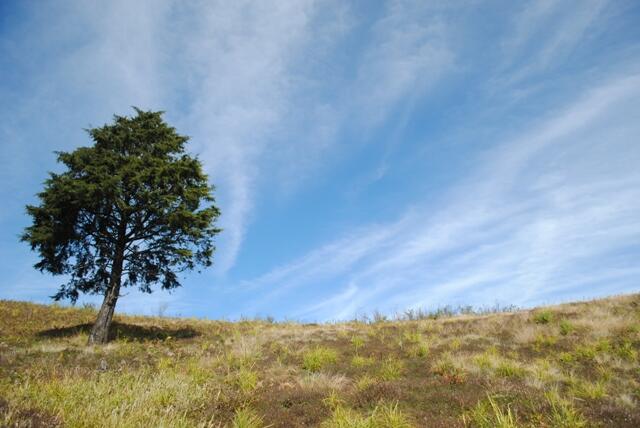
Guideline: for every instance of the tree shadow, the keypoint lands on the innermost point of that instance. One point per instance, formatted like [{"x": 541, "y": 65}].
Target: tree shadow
[{"x": 123, "y": 331}]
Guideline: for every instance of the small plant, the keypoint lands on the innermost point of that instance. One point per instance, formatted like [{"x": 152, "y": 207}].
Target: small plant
[
  {"x": 488, "y": 414},
  {"x": 333, "y": 400},
  {"x": 544, "y": 341},
  {"x": 585, "y": 352},
  {"x": 389, "y": 416},
  {"x": 566, "y": 328},
  {"x": 588, "y": 390},
  {"x": 483, "y": 361},
  {"x": 247, "y": 380},
  {"x": 567, "y": 357},
  {"x": 625, "y": 350},
  {"x": 419, "y": 350},
  {"x": 359, "y": 361},
  {"x": 391, "y": 369},
  {"x": 455, "y": 344},
  {"x": 449, "y": 371},
  {"x": 246, "y": 418},
  {"x": 543, "y": 317},
  {"x": 365, "y": 382},
  {"x": 412, "y": 337},
  {"x": 342, "y": 417},
  {"x": 357, "y": 342},
  {"x": 510, "y": 370},
  {"x": 317, "y": 358},
  {"x": 563, "y": 414},
  {"x": 382, "y": 416}
]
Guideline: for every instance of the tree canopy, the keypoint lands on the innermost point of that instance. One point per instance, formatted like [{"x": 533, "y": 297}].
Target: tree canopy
[{"x": 132, "y": 210}]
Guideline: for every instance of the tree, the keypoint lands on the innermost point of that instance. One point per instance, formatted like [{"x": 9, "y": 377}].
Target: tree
[{"x": 132, "y": 210}]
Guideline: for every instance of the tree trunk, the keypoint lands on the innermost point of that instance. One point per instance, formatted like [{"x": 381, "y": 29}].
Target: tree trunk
[{"x": 100, "y": 331}]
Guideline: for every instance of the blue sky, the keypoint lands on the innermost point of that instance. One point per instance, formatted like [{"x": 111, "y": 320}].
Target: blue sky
[{"x": 367, "y": 155}]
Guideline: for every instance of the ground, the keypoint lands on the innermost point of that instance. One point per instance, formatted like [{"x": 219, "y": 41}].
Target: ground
[{"x": 570, "y": 365}]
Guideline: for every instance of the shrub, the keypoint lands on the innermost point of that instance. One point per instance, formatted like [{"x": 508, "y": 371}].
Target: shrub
[{"x": 317, "y": 358}]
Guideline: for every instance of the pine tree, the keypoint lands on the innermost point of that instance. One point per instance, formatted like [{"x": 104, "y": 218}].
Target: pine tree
[{"x": 133, "y": 210}]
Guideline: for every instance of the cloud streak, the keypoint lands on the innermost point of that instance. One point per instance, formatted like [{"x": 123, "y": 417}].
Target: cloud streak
[{"x": 541, "y": 213}]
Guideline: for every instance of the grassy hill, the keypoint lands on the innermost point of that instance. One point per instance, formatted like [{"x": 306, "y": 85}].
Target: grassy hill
[{"x": 570, "y": 365}]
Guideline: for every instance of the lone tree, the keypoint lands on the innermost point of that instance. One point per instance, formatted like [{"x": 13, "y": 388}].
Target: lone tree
[{"x": 132, "y": 210}]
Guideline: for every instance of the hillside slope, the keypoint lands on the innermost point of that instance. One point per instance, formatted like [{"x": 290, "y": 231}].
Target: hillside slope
[{"x": 569, "y": 365}]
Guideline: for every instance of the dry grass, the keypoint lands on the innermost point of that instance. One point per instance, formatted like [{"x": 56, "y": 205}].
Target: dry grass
[{"x": 567, "y": 365}]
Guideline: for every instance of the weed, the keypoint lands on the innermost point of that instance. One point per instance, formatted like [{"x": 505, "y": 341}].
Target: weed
[
  {"x": 509, "y": 369},
  {"x": 483, "y": 361},
  {"x": 566, "y": 328},
  {"x": 585, "y": 352},
  {"x": 544, "y": 341},
  {"x": 625, "y": 350},
  {"x": 247, "y": 380},
  {"x": 382, "y": 416},
  {"x": 419, "y": 350},
  {"x": 333, "y": 400},
  {"x": 357, "y": 342},
  {"x": 318, "y": 357},
  {"x": 588, "y": 390},
  {"x": 365, "y": 382},
  {"x": 543, "y": 317},
  {"x": 391, "y": 369},
  {"x": 359, "y": 361},
  {"x": 455, "y": 344},
  {"x": 488, "y": 414},
  {"x": 412, "y": 337},
  {"x": 567, "y": 357},
  {"x": 246, "y": 418},
  {"x": 448, "y": 370},
  {"x": 563, "y": 414}
]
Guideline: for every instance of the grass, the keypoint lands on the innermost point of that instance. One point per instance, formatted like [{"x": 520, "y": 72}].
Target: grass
[
  {"x": 488, "y": 414},
  {"x": 570, "y": 365},
  {"x": 382, "y": 416},
  {"x": 544, "y": 316},
  {"x": 317, "y": 358}
]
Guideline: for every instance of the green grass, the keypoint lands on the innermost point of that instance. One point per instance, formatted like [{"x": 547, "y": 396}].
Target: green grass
[
  {"x": 382, "y": 416},
  {"x": 568, "y": 366},
  {"x": 488, "y": 414},
  {"x": 543, "y": 317},
  {"x": 317, "y": 358}
]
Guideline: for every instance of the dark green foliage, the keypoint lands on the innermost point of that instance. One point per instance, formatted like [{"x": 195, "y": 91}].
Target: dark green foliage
[{"x": 134, "y": 205}]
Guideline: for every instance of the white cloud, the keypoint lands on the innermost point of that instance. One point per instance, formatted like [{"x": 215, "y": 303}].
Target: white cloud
[
  {"x": 545, "y": 33},
  {"x": 407, "y": 54},
  {"x": 545, "y": 208}
]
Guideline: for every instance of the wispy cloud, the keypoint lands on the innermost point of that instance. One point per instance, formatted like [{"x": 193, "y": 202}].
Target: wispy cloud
[
  {"x": 408, "y": 53},
  {"x": 545, "y": 35},
  {"x": 343, "y": 94},
  {"x": 540, "y": 213}
]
